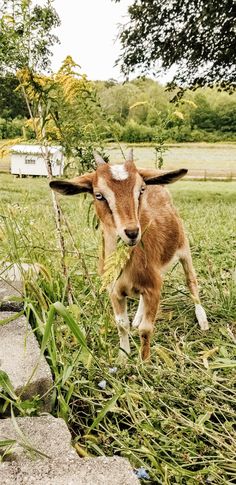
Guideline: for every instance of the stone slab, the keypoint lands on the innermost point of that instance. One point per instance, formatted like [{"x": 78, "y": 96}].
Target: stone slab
[
  {"x": 19, "y": 356},
  {"x": 62, "y": 466}
]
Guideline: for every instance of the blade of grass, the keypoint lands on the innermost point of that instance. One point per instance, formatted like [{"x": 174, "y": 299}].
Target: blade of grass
[
  {"x": 72, "y": 324},
  {"x": 104, "y": 411},
  {"x": 7, "y": 386}
]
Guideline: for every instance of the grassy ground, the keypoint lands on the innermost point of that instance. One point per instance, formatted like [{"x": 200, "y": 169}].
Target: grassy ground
[
  {"x": 176, "y": 414},
  {"x": 203, "y": 156},
  {"x": 200, "y": 156}
]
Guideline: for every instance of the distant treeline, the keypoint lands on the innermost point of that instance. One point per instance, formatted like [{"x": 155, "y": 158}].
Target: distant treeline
[
  {"x": 142, "y": 110},
  {"x": 138, "y": 111}
]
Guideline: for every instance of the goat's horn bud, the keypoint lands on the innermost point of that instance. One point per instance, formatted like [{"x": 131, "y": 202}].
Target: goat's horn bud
[
  {"x": 131, "y": 155},
  {"x": 98, "y": 159}
]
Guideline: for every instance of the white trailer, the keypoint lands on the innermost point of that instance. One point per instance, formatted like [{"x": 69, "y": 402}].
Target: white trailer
[{"x": 29, "y": 160}]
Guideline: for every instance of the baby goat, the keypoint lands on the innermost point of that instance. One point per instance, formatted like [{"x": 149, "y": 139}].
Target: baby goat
[{"x": 133, "y": 204}]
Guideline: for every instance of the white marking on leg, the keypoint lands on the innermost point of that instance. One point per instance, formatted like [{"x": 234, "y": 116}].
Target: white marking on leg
[
  {"x": 122, "y": 322},
  {"x": 201, "y": 316},
  {"x": 139, "y": 313},
  {"x": 119, "y": 172},
  {"x": 146, "y": 326}
]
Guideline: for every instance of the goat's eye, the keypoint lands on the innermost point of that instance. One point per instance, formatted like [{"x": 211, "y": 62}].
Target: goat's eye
[
  {"x": 142, "y": 190},
  {"x": 99, "y": 196}
]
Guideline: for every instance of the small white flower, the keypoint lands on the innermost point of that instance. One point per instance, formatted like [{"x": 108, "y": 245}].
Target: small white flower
[
  {"x": 142, "y": 473},
  {"x": 102, "y": 384},
  {"x": 112, "y": 370}
]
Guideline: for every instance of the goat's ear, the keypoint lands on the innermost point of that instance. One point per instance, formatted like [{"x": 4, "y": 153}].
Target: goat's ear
[
  {"x": 73, "y": 186},
  {"x": 164, "y": 178}
]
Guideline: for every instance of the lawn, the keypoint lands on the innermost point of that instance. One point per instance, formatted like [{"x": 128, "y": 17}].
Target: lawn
[{"x": 176, "y": 414}]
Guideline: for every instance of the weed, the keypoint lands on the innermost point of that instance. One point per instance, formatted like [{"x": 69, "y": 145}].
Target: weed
[{"x": 174, "y": 416}]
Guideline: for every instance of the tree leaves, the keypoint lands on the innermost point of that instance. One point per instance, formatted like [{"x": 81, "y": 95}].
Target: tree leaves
[
  {"x": 198, "y": 38},
  {"x": 26, "y": 34}
]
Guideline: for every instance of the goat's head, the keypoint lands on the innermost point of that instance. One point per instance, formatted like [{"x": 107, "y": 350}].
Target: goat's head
[{"x": 117, "y": 191}]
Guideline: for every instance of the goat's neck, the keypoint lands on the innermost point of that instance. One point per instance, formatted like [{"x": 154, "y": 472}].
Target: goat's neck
[
  {"x": 109, "y": 241},
  {"x": 108, "y": 246}
]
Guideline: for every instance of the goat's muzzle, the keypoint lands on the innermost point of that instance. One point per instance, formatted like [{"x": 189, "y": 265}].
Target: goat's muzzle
[{"x": 132, "y": 234}]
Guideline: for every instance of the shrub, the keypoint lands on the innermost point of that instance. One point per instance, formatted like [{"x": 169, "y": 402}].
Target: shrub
[
  {"x": 2, "y": 128},
  {"x": 15, "y": 128},
  {"x": 134, "y": 132}
]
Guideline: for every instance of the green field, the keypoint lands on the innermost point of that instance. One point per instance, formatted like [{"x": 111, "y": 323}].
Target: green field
[
  {"x": 187, "y": 155},
  {"x": 200, "y": 156},
  {"x": 176, "y": 414}
]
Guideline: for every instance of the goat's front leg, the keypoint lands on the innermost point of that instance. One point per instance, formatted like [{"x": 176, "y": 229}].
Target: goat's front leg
[
  {"x": 150, "y": 302},
  {"x": 119, "y": 305}
]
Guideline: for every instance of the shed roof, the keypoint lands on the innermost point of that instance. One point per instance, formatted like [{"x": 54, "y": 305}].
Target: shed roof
[{"x": 34, "y": 149}]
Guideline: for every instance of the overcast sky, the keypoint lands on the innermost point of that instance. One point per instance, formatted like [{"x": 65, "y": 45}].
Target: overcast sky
[{"x": 88, "y": 33}]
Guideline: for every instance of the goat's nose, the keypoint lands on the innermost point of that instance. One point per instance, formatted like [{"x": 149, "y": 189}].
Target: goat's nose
[{"x": 132, "y": 233}]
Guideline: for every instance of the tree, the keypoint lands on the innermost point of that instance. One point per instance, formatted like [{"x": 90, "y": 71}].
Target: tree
[
  {"x": 117, "y": 99},
  {"x": 26, "y": 34},
  {"x": 197, "y": 37},
  {"x": 12, "y": 103},
  {"x": 64, "y": 109},
  {"x": 26, "y": 39}
]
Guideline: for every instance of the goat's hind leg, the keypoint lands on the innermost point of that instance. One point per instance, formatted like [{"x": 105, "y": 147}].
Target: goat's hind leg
[
  {"x": 186, "y": 261},
  {"x": 139, "y": 313}
]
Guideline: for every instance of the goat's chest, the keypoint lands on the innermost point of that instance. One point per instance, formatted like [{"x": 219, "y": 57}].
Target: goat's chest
[{"x": 133, "y": 279}]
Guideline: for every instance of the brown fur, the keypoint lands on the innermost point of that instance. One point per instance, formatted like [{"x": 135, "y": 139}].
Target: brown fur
[{"x": 161, "y": 232}]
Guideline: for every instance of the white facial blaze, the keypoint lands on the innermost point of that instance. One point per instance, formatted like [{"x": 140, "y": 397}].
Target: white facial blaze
[
  {"x": 119, "y": 172},
  {"x": 110, "y": 196},
  {"x": 111, "y": 199},
  {"x": 107, "y": 192},
  {"x": 136, "y": 195}
]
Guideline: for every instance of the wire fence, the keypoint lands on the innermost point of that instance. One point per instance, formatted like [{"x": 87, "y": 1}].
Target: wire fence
[
  {"x": 193, "y": 174},
  {"x": 211, "y": 174}
]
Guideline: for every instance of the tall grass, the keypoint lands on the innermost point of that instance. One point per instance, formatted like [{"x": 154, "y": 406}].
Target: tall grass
[{"x": 174, "y": 415}]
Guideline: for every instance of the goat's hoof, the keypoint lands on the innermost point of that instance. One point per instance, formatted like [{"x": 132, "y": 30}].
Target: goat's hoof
[
  {"x": 204, "y": 325},
  {"x": 201, "y": 317}
]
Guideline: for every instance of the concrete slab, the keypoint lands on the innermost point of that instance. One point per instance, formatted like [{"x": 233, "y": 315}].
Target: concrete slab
[
  {"x": 19, "y": 355},
  {"x": 11, "y": 296},
  {"x": 10, "y": 290},
  {"x": 62, "y": 466},
  {"x": 17, "y": 271}
]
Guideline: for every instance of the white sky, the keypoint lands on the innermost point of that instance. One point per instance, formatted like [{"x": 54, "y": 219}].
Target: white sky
[{"x": 88, "y": 33}]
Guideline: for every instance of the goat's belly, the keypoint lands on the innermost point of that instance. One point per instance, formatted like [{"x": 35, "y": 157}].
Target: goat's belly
[{"x": 170, "y": 263}]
